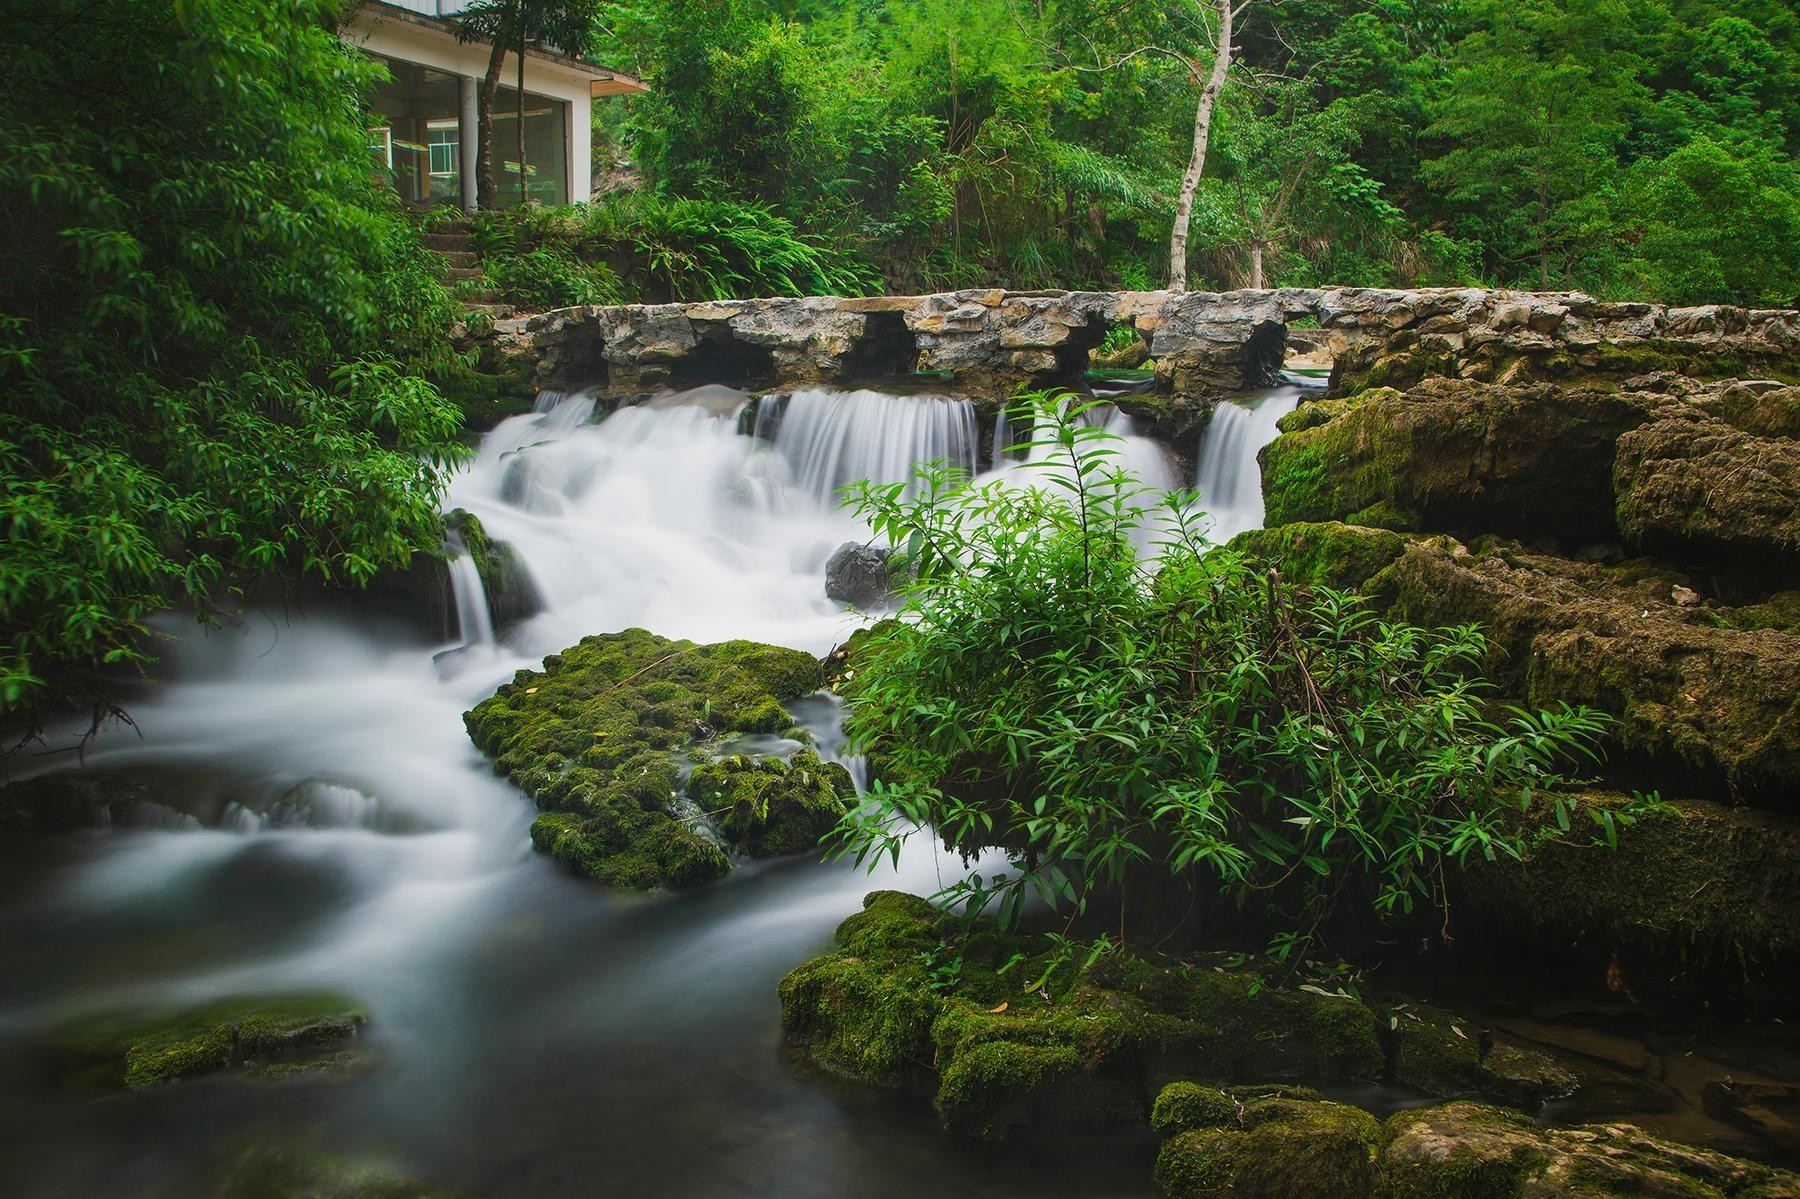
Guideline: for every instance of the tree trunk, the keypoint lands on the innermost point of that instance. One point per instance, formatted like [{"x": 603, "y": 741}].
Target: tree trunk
[
  {"x": 521, "y": 114},
  {"x": 1256, "y": 275},
  {"x": 487, "y": 191},
  {"x": 1184, "y": 205}
]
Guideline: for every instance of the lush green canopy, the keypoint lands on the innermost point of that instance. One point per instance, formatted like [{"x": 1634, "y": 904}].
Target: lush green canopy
[
  {"x": 1641, "y": 147},
  {"x": 211, "y": 315}
]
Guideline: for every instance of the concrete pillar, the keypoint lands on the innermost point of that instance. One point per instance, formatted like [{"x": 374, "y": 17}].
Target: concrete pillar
[
  {"x": 579, "y": 126},
  {"x": 468, "y": 120}
]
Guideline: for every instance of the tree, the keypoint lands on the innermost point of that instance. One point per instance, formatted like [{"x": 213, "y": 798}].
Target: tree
[
  {"x": 213, "y": 320},
  {"x": 1209, "y": 95},
  {"x": 515, "y": 25}
]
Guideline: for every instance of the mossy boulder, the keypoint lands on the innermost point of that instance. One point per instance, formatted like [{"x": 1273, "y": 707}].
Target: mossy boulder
[
  {"x": 511, "y": 594},
  {"x": 262, "y": 1036},
  {"x": 1272, "y": 1147},
  {"x": 1451, "y": 455},
  {"x": 1690, "y": 884},
  {"x": 1708, "y": 491},
  {"x": 600, "y": 737},
  {"x": 1686, "y": 686},
  {"x": 769, "y": 806},
  {"x": 1468, "y": 1151},
  {"x": 910, "y": 997},
  {"x": 1324, "y": 553},
  {"x": 1433, "y": 1050}
]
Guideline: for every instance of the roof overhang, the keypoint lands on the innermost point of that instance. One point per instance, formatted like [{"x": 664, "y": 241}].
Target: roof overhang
[{"x": 602, "y": 81}]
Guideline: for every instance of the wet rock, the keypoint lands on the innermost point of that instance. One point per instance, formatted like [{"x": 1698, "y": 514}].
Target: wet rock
[
  {"x": 597, "y": 740},
  {"x": 1771, "y": 1111},
  {"x": 1704, "y": 488},
  {"x": 1524, "y": 1078},
  {"x": 512, "y": 596},
  {"x": 260, "y": 1036},
  {"x": 857, "y": 574},
  {"x": 1476, "y": 1152},
  {"x": 770, "y": 807}
]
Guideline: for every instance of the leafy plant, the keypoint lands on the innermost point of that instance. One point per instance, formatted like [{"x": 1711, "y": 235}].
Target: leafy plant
[
  {"x": 1118, "y": 723},
  {"x": 216, "y": 323}
]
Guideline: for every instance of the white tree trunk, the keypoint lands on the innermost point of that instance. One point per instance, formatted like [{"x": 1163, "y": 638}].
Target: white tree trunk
[
  {"x": 1256, "y": 275},
  {"x": 1184, "y": 205}
]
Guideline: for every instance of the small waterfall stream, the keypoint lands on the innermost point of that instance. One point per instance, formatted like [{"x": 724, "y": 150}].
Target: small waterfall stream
[
  {"x": 1226, "y": 473},
  {"x": 358, "y": 842}
]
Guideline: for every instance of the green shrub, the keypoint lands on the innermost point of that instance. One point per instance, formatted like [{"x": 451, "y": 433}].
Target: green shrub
[{"x": 1098, "y": 714}]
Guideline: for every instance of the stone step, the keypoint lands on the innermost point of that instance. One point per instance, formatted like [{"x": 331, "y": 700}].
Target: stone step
[
  {"x": 461, "y": 258},
  {"x": 462, "y": 272},
  {"x": 445, "y": 241}
]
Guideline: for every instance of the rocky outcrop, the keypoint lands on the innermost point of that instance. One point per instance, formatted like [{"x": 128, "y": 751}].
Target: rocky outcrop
[
  {"x": 605, "y": 737},
  {"x": 1204, "y": 343},
  {"x": 857, "y": 574}
]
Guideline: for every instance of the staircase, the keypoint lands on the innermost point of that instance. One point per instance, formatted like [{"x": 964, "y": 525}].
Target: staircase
[{"x": 455, "y": 242}]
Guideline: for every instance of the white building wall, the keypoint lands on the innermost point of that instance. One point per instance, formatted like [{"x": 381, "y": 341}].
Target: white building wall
[{"x": 393, "y": 35}]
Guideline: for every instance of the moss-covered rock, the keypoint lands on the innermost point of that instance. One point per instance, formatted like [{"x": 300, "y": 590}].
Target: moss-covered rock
[
  {"x": 772, "y": 807},
  {"x": 293, "y": 1174},
  {"x": 262, "y": 1036},
  {"x": 909, "y": 997},
  {"x": 511, "y": 594},
  {"x": 1326, "y": 553},
  {"x": 1690, "y": 883},
  {"x": 599, "y": 737},
  {"x": 1452, "y": 455},
  {"x": 1702, "y": 488},
  {"x": 1467, "y": 1151},
  {"x": 1433, "y": 1051},
  {"x": 1273, "y": 1148},
  {"x": 1184, "y": 1105},
  {"x": 1714, "y": 699}
]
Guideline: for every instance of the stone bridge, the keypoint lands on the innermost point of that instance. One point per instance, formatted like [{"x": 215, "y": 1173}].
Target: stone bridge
[{"x": 1203, "y": 344}]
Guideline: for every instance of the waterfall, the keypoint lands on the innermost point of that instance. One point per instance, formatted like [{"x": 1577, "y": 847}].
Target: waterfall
[
  {"x": 474, "y": 622},
  {"x": 1226, "y": 472},
  {"x": 831, "y": 438}
]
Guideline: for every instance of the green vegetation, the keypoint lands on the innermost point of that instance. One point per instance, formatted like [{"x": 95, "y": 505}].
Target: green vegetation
[
  {"x": 1641, "y": 149},
  {"x": 1194, "y": 723},
  {"x": 213, "y": 320},
  {"x": 643, "y": 247}
]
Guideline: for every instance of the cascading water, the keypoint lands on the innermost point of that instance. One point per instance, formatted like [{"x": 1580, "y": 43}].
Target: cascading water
[
  {"x": 358, "y": 842},
  {"x": 1226, "y": 472}
]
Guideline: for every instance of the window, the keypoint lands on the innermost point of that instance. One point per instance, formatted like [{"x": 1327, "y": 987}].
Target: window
[
  {"x": 443, "y": 140},
  {"x": 381, "y": 145}
]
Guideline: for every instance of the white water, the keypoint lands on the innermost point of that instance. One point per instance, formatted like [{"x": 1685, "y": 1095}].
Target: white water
[
  {"x": 367, "y": 846},
  {"x": 1227, "y": 475}
]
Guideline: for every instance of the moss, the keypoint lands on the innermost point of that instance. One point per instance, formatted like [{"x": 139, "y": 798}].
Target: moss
[
  {"x": 256, "y": 1034},
  {"x": 500, "y": 388},
  {"x": 289, "y": 1174},
  {"x": 1467, "y": 1151},
  {"x": 1434, "y": 1051},
  {"x": 1279, "y": 1148},
  {"x": 892, "y": 924},
  {"x": 1183, "y": 1106},
  {"x": 1459, "y": 1151},
  {"x": 1721, "y": 701},
  {"x": 1689, "y": 885},
  {"x": 1524, "y": 1078},
  {"x": 1762, "y": 411},
  {"x": 1709, "y": 490},
  {"x": 1450, "y": 454},
  {"x": 594, "y": 739},
  {"x": 868, "y": 1022},
  {"x": 770, "y": 807},
  {"x": 1329, "y": 553}
]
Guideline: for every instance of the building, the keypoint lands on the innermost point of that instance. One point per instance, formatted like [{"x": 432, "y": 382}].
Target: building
[{"x": 428, "y": 109}]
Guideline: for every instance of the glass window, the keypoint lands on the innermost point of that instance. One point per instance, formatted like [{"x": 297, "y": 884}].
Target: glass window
[{"x": 444, "y": 141}]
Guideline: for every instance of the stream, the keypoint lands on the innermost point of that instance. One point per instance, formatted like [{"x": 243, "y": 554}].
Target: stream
[{"x": 318, "y": 819}]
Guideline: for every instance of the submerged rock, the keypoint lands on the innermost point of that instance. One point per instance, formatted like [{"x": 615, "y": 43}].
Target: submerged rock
[
  {"x": 601, "y": 739},
  {"x": 258, "y": 1036}
]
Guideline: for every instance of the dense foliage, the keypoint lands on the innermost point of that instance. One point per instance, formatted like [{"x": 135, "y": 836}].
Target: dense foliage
[
  {"x": 1627, "y": 147},
  {"x": 211, "y": 312},
  {"x": 1115, "y": 722},
  {"x": 643, "y": 246}
]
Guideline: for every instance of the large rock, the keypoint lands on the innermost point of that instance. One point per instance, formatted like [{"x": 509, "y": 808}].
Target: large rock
[
  {"x": 600, "y": 738},
  {"x": 1265, "y": 1143},
  {"x": 1686, "y": 687},
  {"x": 1449, "y": 456},
  {"x": 857, "y": 574},
  {"x": 1468, "y": 1151}
]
